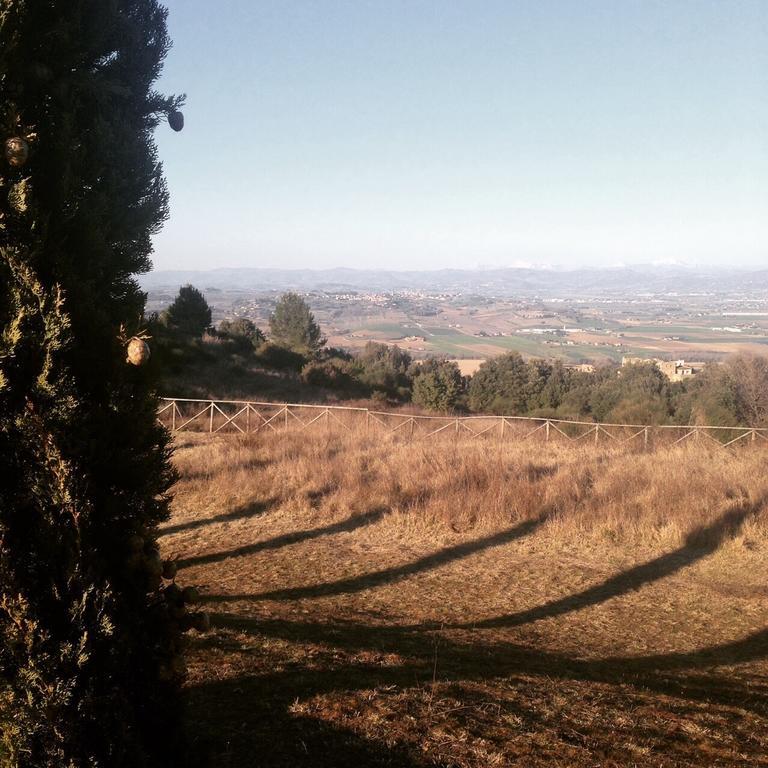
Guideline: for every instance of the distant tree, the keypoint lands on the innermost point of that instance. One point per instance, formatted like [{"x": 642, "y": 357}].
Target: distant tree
[
  {"x": 243, "y": 332},
  {"x": 292, "y": 325},
  {"x": 383, "y": 369},
  {"x": 437, "y": 384},
  {"x": 557, "y": 385},
  {"x": 709, "y": 398},
  {"x": 749, "y": 376},
  {"x": 636, "y": 394},
  {"x": 539, "y": 375},
  {"x": 501, "y": 385},
  {"x": 576, "y": 400},
  {"x": 189, "y": 314}
]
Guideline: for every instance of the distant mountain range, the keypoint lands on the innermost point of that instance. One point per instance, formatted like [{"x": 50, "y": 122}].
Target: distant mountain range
[{"x": 574, "y": 283}]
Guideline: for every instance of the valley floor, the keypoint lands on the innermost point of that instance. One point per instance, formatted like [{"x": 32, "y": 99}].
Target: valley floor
[{"x": 369, "y": 634}]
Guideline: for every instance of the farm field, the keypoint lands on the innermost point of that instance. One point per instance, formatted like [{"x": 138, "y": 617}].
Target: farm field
[
  {"x": 591, "y": 335},
  {"x": 376, "y": 603}
]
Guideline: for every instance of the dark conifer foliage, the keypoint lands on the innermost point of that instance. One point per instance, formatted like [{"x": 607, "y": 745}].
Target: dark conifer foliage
[
  {"x": 292, "y": 325},
  {"x": 189, "y": 314},
  {"x": 89, "y": 664}
]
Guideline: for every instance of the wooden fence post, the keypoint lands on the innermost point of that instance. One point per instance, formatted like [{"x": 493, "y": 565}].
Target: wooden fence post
[
  {"x": 173, "y": 416},
  {"x": 597, "y": 433},
  {"x": 645, "y": 438},
  {"x": 547, "y": 430},
  {"x": 210, "y": 421}
]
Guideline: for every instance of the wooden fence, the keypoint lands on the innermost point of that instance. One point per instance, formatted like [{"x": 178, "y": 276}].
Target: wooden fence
[{"x": 247, "y": 417}]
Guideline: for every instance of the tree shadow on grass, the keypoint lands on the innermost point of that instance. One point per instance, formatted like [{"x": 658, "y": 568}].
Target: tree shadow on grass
[
  {"x": 411, "y": 639},
  {"x": 242, "y": 724},
  {"x": 255, "y": 715},
  {"x": 245, "y": 512},
  {"x": 462, "y": 661},
  {"x": 396, "y": 573},
  {"x": 698, "y": 544},
  {"x": 294, "y": 537}
]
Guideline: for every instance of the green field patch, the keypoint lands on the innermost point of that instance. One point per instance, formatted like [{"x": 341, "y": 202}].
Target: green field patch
[
  {"x": 437, "y": 331},
  {"x": 462, "y": 344},
  {"x": 730, "y": 338},
  {"x": 456, "y": 344},
  {"x": 393, "y": 330}
]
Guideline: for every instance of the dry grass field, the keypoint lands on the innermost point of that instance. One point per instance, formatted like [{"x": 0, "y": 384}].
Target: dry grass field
[{"x": 472, "y": 603}]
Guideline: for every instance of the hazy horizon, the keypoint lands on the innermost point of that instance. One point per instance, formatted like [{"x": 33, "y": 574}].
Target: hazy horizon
[
  {"x": 638, "y": 266},
  {"x": 417, "y": 135}
]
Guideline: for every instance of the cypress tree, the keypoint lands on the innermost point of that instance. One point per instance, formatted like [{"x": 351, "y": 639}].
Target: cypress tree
[{"x": 89, "y": 637}]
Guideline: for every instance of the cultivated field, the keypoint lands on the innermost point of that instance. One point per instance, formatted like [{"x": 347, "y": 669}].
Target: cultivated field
[
  {"x": 473, "y": 603},
  {"x": 593, "y": 334}
]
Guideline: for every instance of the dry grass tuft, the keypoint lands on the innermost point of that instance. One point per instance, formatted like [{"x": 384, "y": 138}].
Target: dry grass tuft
[{"x": 623, "y": 495}]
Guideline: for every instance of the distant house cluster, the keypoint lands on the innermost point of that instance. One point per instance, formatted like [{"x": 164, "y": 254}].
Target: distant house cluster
[{"x": 674, "y": 370}]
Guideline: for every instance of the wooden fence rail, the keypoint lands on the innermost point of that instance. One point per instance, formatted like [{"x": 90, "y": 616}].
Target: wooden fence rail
[{"x": 247, "y": 417}]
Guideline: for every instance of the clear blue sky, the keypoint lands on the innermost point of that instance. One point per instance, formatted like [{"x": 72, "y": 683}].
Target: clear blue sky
[{"x": 414, "y": 134}]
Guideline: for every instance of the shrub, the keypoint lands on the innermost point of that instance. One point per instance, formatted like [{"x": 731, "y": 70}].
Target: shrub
[
  {"x": 437, "y": 385},
  {"x": 243, "y": 334},
  {"x": 501, "y": 385},
  {"x": 384, "y": 368},
  {"x": 748, "y": 376},
  {"x": 332, "y": 373},
  {"x": 272, "y": 355},
  {"x": 637, "y": 394}
]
